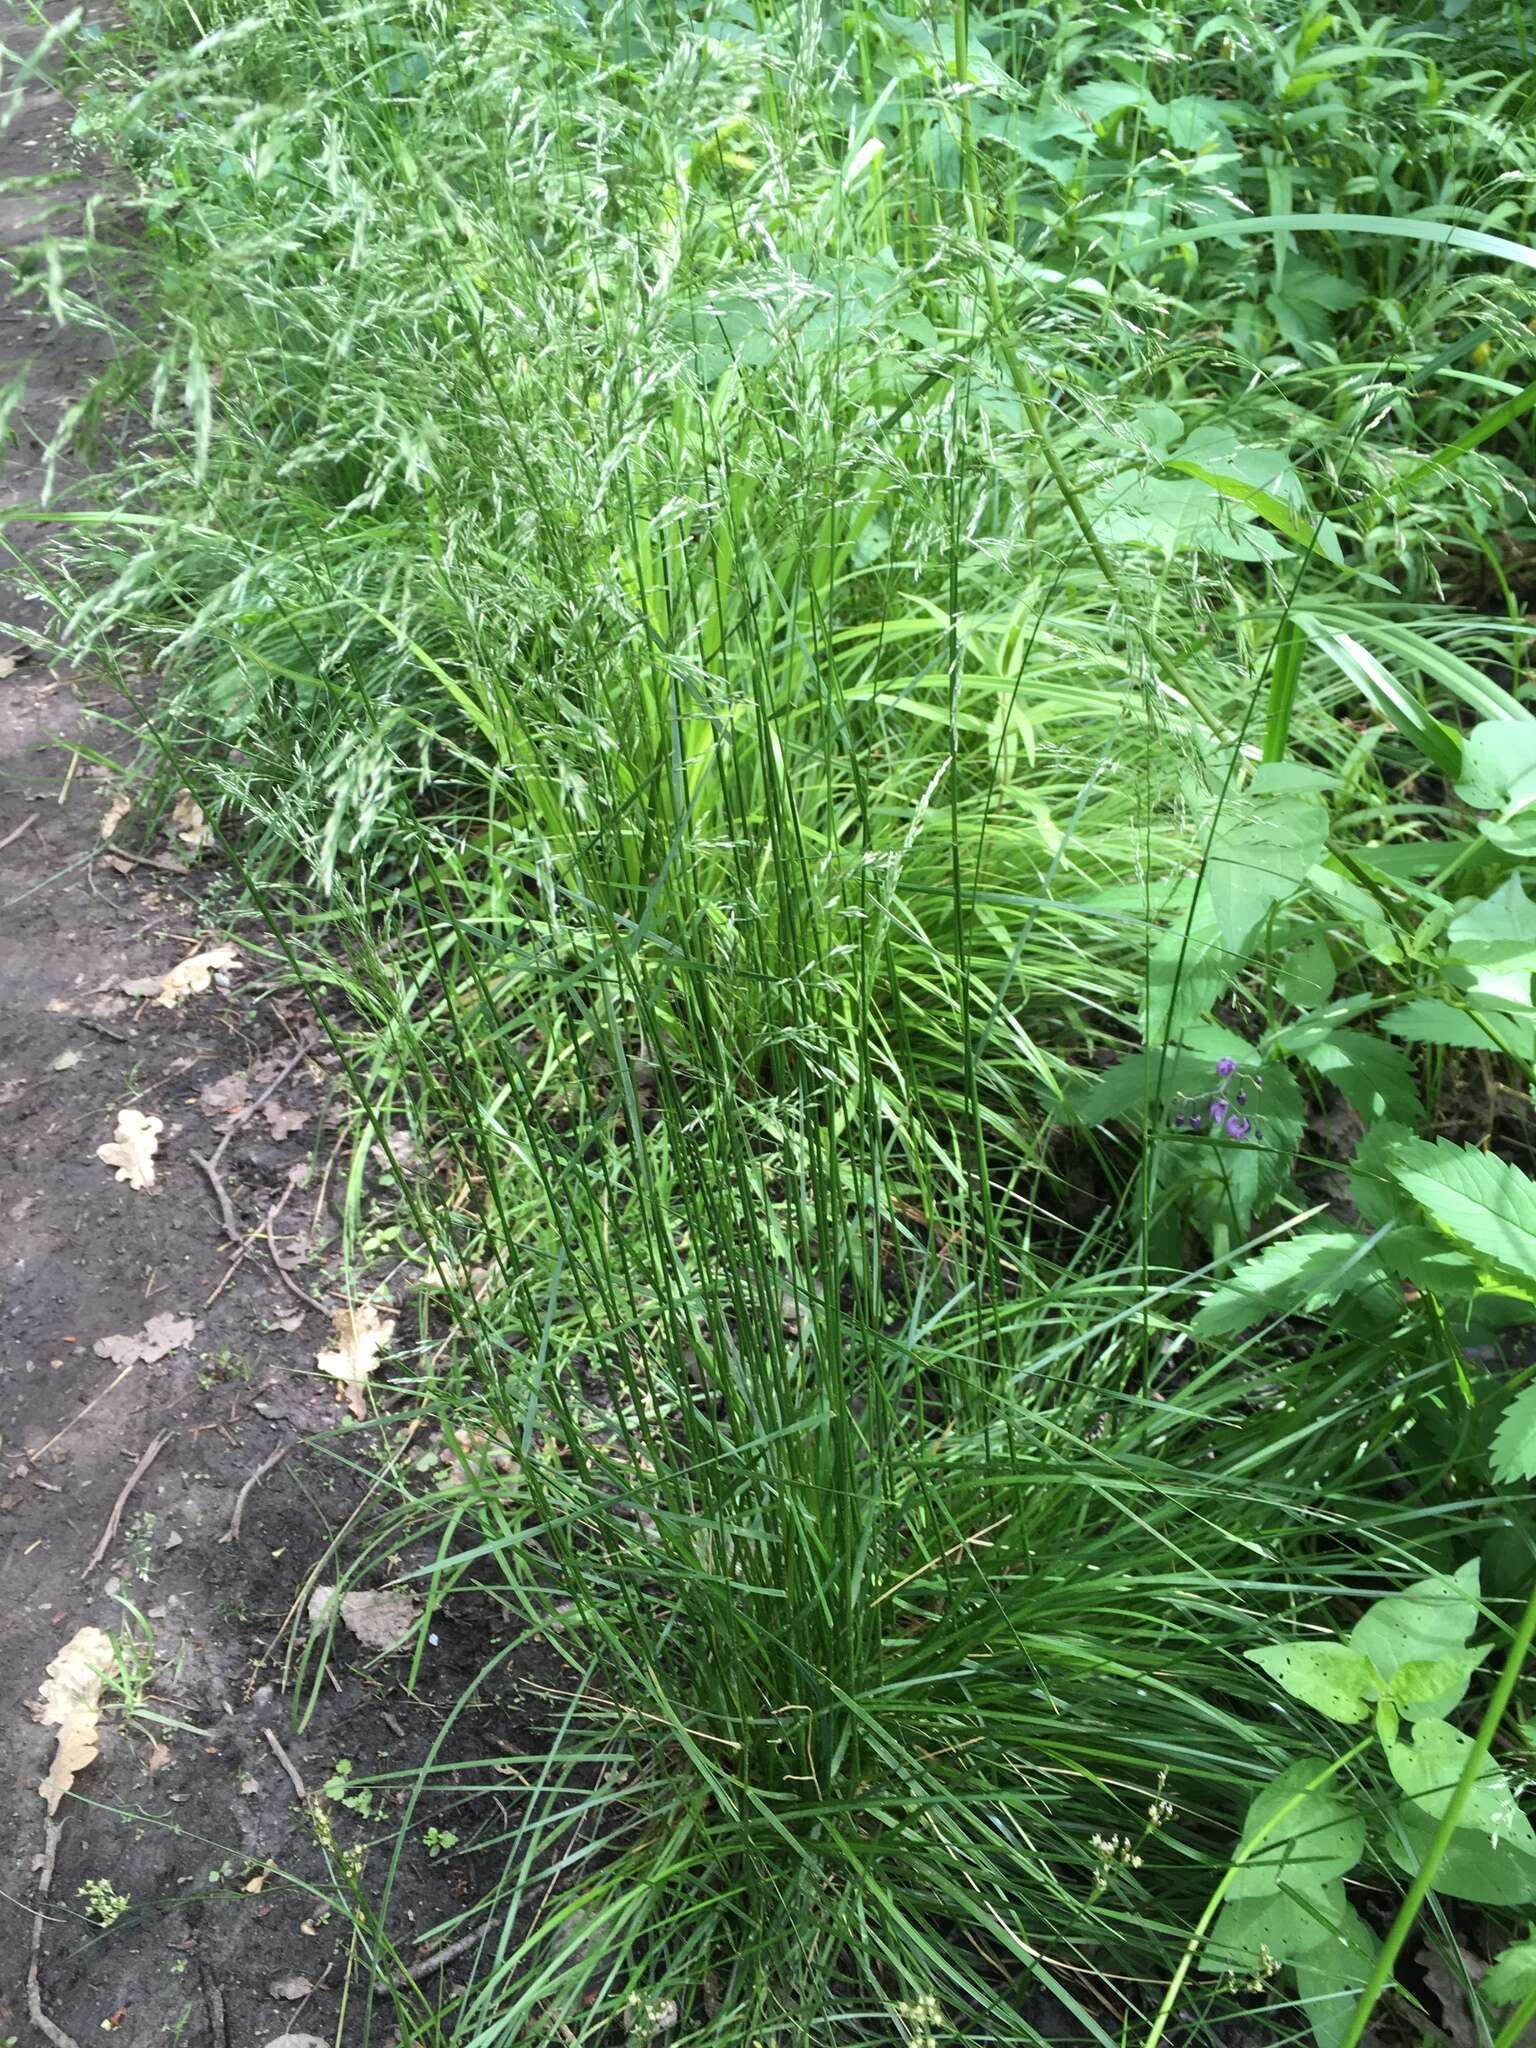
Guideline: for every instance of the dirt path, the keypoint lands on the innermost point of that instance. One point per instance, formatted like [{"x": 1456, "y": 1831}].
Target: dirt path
[{"x": 184, "y": 1816}]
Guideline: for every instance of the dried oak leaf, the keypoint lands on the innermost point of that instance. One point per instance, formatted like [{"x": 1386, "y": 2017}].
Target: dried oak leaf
[
  {"x": 70, "y": 1701},
  {"x": 192, "y": 977},
  {"x": 117, "y": 810},
  {"x": 161, "y": 1335},
  {"x": 361, "y": 1334},
  {"x": 227, "y": 1097},
  {"x": 132, "y": 1150},
  {"x": 380, "y": 1621},
  {"x": 187, "y": 817},
  {"x": 283, "y": 1122}
]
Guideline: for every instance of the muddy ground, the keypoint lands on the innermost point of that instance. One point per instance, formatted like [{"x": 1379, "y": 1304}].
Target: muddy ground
[{"x": 189, "y": 1814}]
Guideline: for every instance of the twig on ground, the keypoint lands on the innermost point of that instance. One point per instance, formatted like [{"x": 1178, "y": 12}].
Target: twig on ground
[
  {"x": 285, "y": 1275},
  {"x": 12, "y": 836},
  {"x": 287, "y": 1763},
  {"x": 413, "y": 1972},
  {"x": 306, "y": 1046},
  {"x": 59, "y": 1435},
  {"x": 110, "y": 1531},
  {"x": 227, "y": 1217},
  {"x": 45, "y": 2026},
  {"x": 232, "y": 1533}
]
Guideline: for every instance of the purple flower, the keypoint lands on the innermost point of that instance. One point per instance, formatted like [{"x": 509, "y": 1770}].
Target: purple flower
[
  {"x": 1242, "y": 1097},
  {"x": 1178, "y": 1123},
  {"x": 1224, "y": 1067},
  {"x": 1218, "y": 1109},
  {"x": 1238, "y": 1127},
  {"x": 1194, "y": 1122}
]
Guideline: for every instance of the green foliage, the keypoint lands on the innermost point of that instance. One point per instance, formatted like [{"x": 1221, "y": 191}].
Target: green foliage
[{"x": 811, "y": 659}]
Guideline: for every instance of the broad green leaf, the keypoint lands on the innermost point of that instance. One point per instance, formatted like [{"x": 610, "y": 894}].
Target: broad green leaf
[
  {"x": 1375, "y": 1193},
  {"x": 1428, "y": 1770},
  {"x": 1483, "y": 1202},
  {"x": 1332, "y": 1677},
  {"x": 1513, "y": 1451},
  {"x": 1426, "y": 1021},
  {"x": 1293, "y": 1276},
  {"x": 1429, "y": 1688},
  {"x": 1374, "y": 1078},
  {"x": 1498, "y": 771},
  {"x": 1330, "y": 1977},
  {"x": 1513, "y": 1976},
  {"x": 1298, "y": 527},
  {"x": 1495, "y": 941},
  {"x": 1283, "y": 1925},
  {"x": 1432, "y": 1619},
  {"x": 1306, "y": 978},
  {"x": 1320, "y": 1838},
  {"x": 1258, "y": 857},
  {"x": 1487, "y": 1873},
  {"x": 1407, "y": 227}
]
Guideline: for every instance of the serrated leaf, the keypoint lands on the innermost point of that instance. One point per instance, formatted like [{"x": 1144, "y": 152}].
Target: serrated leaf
[
  {"x": 1433, "y": 1618},
  {"x": 1512, "y": 1454},
  {"x": 1513, "y": 1976},
  {"x": 1321, "y": 1837},
  {"x": 1429, "y": 1768},
  {"x": 1374, "y": 1077},
  {"x": 1332, "y": 1677},
  {"x": 1498, "y": 766},
  {"x": 1294, "y": 1275},
  {"x": 1260, "y": 858},
  {"x": 1481, "y": 1201},
  {"x": 1426, "y": 1021}
]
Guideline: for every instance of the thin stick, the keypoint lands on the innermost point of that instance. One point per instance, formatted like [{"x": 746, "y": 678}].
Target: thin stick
[
  {"x": 25, "y": 826},
  {"x": 52, "y": 1830},
  {"x": 33, "y": 1456},
  {"x": 109, "y": 1533},
  {"x": 227, "y": 1217},
  {"x": 306, "y": 1047},
  {"x": 286, "y": 1276},
  {"x": 414, "y": 1971},
  {"x": 232, "y": 1533},
  {"x": 287, "y": 1763}
]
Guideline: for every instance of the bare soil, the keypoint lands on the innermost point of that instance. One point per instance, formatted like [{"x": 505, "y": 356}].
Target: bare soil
[{"x": 198, "y": 1825}]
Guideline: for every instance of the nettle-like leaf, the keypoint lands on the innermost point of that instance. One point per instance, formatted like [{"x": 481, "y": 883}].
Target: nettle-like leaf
[
  {"x": 1495, "y": 942},
  {"x": 1513, "y": 1452},
  {"x": 1296, "y": 1275},
  {"x": 1373, "y": 1076},
  {"x": 1483, "y": 1202},
  {"x": 1259, "y": 856},
  {"x": 1431, "y": 1620},
  {"x": 1513, "y": 1976},
  {"x": 1427, "y": 1021},
  {"x": 1320, "y": 1838},
  {"x": 1332, "y": 1677}
]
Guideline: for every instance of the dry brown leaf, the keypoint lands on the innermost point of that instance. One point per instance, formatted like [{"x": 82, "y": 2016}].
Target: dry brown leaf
[
  {"x": 380, "y": 1621},
  {"x": 70, "y": 1701},
  {"x": 159, "y": 1756},
  {"x": 66, "y": 1060},
  {"x": 132, "y": 1150},
  {"x": 283, "y": 1122},
  {"x": 255, "y": 1884},
  {"x": 161, "y": 1335},
  {"x": 361, "y": 1334},
  {"x": 117, "y": 810},
  {"x": 187, "y": 817},
  {"x": 192, "y": 977},
  {"x": 227, "y": 1097},
  {"x": 292, "y": 1988}
]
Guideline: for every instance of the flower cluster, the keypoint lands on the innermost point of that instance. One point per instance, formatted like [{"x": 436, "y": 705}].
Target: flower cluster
[{"x": 1225, "y": 1113}]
